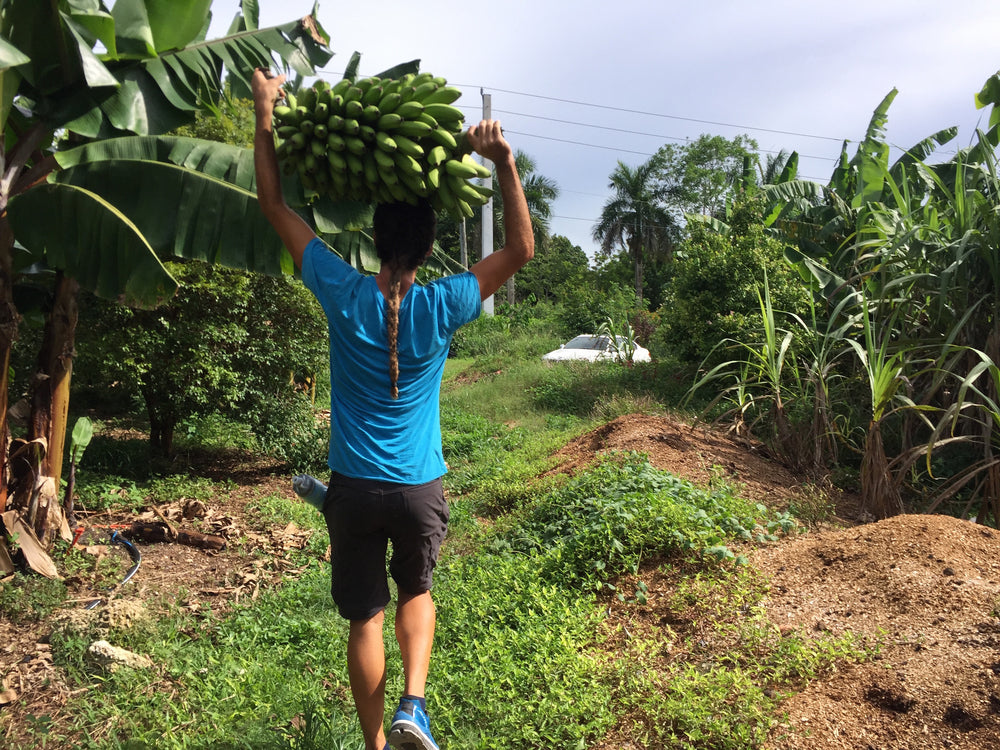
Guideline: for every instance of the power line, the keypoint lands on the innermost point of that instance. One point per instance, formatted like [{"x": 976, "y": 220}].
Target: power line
[
  {"x": 665, "y": 116},
  {"x": 636, "y": 132},
  {"x": 608, "y": 148}
]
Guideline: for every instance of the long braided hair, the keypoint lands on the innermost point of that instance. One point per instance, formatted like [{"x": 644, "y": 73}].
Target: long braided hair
[{"x": 404, "y": 234}]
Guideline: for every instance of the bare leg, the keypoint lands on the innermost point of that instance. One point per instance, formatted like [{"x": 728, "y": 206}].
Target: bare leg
[
  {"x": 366, "y": 667},
  {"x": 415, "y": 620}
]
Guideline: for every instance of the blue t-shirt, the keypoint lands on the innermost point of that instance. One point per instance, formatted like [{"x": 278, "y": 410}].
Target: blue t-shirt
[{"x": 372, "y": 435}]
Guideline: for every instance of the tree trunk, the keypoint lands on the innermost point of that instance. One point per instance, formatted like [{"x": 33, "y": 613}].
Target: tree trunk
[
  {"x": 879, "y": 491},
  {"x": 8, "y": 334},
  {"x": 162, "y": 421},
  {"x": 50, "y": 404},
  {"x": 637, "y": 258},
  {"x": 510, "y": 291}
]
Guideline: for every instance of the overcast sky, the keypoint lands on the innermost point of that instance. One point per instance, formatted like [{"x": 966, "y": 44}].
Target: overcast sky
[{"x": 580, "y": 86}]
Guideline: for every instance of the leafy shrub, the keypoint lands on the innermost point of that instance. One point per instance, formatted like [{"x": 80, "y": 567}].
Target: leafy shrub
[
  {"x": 605, "y": 521},
  {"x": 289, "y": 429},
  {"x": 713, "y": 293}
]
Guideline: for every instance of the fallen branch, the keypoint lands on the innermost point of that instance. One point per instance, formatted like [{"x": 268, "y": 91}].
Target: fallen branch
[{"x": 159, "y": 532}]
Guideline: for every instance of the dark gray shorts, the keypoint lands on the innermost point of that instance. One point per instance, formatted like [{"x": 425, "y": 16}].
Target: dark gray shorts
[{"x": 363, "y": 516}]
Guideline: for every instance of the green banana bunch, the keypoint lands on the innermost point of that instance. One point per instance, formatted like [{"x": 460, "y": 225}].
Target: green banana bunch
[{"x": 381, "y": 140}]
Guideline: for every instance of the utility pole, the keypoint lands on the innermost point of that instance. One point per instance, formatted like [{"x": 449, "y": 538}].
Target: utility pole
[
  {"x": 487, "y": 210},
  {"x": 463, "y": 247}
]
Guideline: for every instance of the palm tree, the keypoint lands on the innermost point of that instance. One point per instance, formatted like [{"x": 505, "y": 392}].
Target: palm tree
[
  {"x": 539, "y": 192},
  {"x": 635, "y": 218}
]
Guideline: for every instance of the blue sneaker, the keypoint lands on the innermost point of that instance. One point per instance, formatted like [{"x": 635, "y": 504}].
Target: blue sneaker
[{"x": 410, "y": 728}]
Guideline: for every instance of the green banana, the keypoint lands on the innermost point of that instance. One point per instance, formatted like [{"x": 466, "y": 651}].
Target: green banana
[
  {"x": 286, "y": 131},
  {"x": 367, "y": 133},
  {"x": 354, "y": 163},
  {"x": 371, "y": 172},
  {"x": 355, "y": 145},
  {"x": 336, "y": 142},
  {"x": 409, "y": 110},
  {"x": 353, "y": 109},
  {"x": 351, "y": 126},
  {"x": 442, "y": 95},
  {"x": 436, "y": 155},
  {"x": 388, "y": 175},
  {"x": 413, "y": 129},
  {"x": 425, "y": 89},
  {"x": 336, "y": 161},
  {"x": 307, "y": 126},
  {"x": 415, "y": 182},
  {"x": 465, "y": 192},
  {"x": 389, "y": 121},
  {"x": 385, "y": 142},
  {"x": 383, "y": 159},
  {"x": 420, "y": 79},
  {"x": 407, "y": 145},
  {"x": 460, "y": 169},
  {"x": 481, "y": 170},
  {"x": 370, "y": 113},
  {"x": 426, "y": 119},
  {"x": 443, "y": 138},
  {"x": 407, "y": 164},
  {"x": 464, "y": 208},
  {"x": 372, "y": 96},
  {"x": 320, "y": 131},
  {"x": 389, "y": 102},
  {"x": 335, "y": 123},
  {"x": 444, "y": 113}
]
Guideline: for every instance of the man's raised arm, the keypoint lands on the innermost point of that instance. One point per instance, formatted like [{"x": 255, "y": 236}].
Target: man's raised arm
[
  {"x": 519, "y": 241},
  {"x": 294, "y": 232}
]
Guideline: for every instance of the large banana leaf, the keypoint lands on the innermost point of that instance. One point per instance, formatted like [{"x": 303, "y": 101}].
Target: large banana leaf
[
  {"x": 10, "y": 76},
  {"x": 76, "y": 230},
  {"x": 139, "y": 175},
  {"x": 186, "y": 213},
  {"x": 990, "y": 95},
  {"x": 155, "y": 69}
]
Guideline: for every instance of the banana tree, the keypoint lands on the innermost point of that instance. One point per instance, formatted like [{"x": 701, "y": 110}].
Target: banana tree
[{"x": 76, "y": 72}]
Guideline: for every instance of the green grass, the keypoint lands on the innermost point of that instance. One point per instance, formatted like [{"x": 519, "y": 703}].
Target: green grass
[{"x": 522, "y": 590}]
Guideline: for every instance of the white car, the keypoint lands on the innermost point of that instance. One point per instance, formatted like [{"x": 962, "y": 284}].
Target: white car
[{"x": 592, "y": 348}]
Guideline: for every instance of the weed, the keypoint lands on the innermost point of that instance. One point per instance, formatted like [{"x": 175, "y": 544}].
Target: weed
[
  {"x": 812, "y": 505},
  {"x": 30, "y": 598}
]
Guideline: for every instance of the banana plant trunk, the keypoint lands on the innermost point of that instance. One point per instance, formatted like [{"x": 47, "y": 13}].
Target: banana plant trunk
[
  {"x": 49, "y": 397},
  {"x": 8, "y": 334}
]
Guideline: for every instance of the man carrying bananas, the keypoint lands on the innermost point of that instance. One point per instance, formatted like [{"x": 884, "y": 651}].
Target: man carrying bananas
[{"x": 389, "y": 338}]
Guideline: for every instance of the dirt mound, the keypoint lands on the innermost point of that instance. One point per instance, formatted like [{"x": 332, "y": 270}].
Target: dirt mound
[
  {"x": 926, "y": 587},
  {"x": 690, "y": 451}
]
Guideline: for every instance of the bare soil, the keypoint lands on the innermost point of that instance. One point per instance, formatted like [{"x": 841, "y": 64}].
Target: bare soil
[{"x": 926, "y": 587}]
